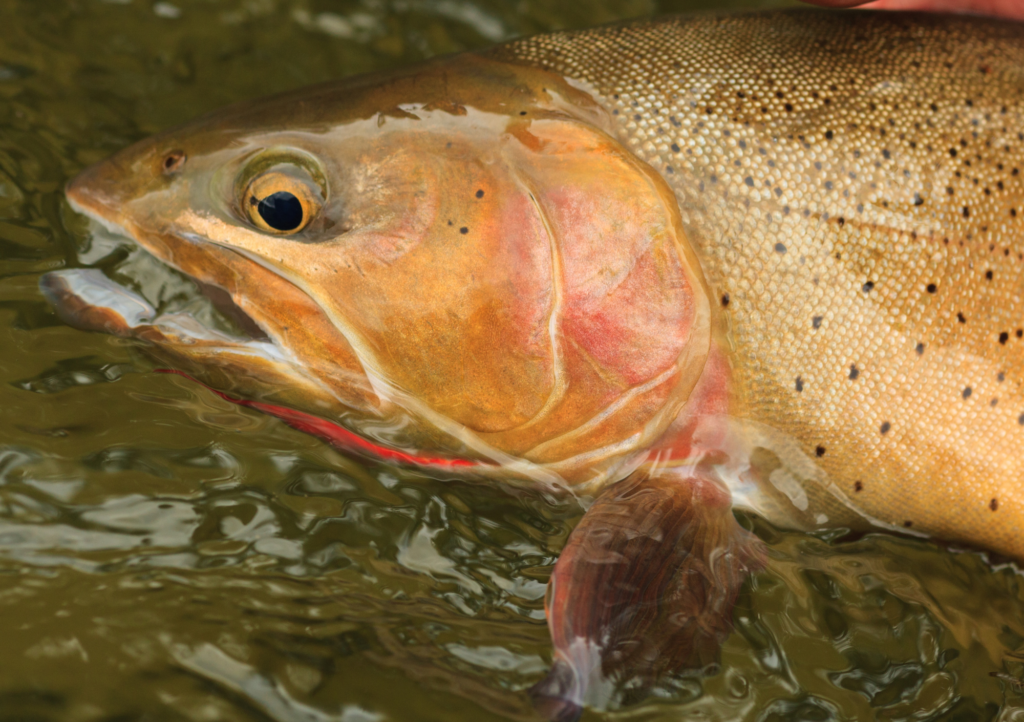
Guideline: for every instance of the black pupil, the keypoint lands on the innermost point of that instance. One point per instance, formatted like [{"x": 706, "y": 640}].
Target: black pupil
[{"x": 281, "y": 211}]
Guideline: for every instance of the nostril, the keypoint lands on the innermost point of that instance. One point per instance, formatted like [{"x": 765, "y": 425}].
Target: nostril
[{"x": 173, "y": 161}]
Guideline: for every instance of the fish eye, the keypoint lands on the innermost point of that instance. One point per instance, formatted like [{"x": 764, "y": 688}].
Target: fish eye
[
  {"x": 282, "y": 200},
  {"x": 282, "y": 211}
]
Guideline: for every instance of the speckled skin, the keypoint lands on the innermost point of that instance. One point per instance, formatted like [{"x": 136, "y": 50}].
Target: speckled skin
[{"x": 851, "y": 184}]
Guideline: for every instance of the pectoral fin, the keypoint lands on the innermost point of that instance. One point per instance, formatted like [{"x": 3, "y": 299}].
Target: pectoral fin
[{"x": 644, "y": 587}]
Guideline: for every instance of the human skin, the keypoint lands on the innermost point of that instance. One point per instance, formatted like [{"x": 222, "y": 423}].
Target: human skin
[{"x": 1003, "y": 8}]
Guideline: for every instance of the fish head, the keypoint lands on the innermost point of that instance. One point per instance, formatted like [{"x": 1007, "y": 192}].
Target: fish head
[{"x": 464, "y": 250}]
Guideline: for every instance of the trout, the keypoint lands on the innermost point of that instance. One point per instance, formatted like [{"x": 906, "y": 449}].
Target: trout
[{"x": 768, "y": 261}]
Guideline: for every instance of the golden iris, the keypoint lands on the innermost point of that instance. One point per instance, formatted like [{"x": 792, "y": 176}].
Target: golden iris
[{"x": 282, "y": 201}]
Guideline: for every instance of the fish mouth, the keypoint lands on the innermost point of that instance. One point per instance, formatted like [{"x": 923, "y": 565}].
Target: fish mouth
[
  {"x": 78, "y": 294},
  {"x": 140, "y": 292},
  {"x": 241, "y": 312}
]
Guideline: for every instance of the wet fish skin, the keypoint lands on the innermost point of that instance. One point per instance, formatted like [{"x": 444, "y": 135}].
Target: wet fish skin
[{"x": 852, "y": 184}]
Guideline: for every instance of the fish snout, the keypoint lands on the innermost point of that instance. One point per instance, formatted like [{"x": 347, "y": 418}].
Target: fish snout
[
  {"x": 97, "y": 190},
  {"x": 103, "y": 190}
]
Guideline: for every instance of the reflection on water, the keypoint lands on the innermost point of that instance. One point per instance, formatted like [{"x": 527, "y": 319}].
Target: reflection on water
[{"x": 166, "y": 555}]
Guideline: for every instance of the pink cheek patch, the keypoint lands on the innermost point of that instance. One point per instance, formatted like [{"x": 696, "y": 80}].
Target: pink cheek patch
[
  {"x": 628, "y": 303},
  {"x": 637, "y": 328}
]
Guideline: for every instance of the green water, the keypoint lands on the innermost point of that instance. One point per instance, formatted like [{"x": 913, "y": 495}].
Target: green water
[{"x": 165, "y": 555}]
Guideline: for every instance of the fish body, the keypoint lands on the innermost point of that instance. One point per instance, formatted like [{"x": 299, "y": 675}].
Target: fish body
[
  {"x": 852, "y": 185},
  {"x": 771, "y": 260}
]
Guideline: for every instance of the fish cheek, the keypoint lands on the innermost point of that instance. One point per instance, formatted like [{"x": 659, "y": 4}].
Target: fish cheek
[
  {"x": 456, "y": 297},
  {"x": 439, "y": 281}
]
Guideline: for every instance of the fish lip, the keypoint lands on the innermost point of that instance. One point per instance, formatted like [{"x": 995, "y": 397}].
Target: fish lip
[{"x": 103, "y": 210}]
